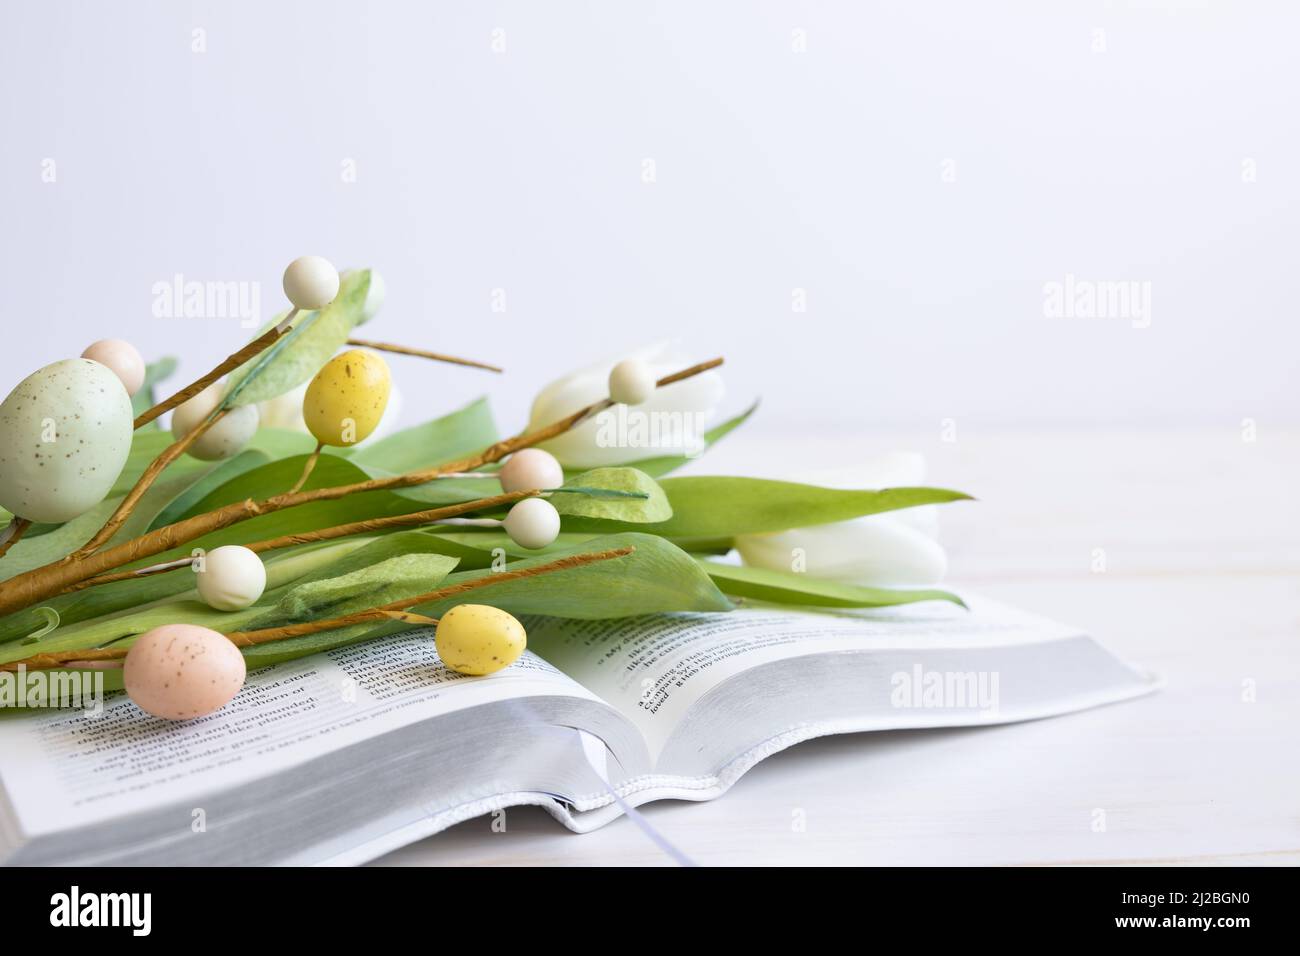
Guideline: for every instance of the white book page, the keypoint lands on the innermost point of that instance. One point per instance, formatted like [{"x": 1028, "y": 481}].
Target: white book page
[
  {"x": 653, "y": 669},
  {"x": 67, "y": 768}
]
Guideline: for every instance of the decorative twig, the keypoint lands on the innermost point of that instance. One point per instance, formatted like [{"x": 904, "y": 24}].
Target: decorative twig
[
  {"x": 366, "y": 526},
  {"x": 172, "y": 452},
  {"x": 688, "y": 372},
  {"x": 13, "y": 533},
  {"x": 126, "y": 505},
  {"x": 266, "y": 635},
  {"x": 422, "y": 353},
  {"x": 25, "y": 589},
  {"x": 397, "y": 610},
  {"x": 251, "y": 350},
  {"x": 307, "y": 468},
  {"x": 18, "y": 526},
  {"x": 145, "y": 481},
  {"x": 413, "y": 519}
]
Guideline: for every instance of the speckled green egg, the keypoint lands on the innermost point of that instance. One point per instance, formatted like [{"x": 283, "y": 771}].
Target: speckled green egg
[
  {"x": 65, "y": 432},
  {"x": 477, "y": 639}
]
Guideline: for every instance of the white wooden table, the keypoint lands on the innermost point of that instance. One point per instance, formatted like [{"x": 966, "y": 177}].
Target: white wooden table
[{"x": 1199, "y": 534}]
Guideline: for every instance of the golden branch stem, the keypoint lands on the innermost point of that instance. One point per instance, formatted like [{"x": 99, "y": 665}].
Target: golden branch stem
[
  {"x": 232, "y": 362},
  {"x": 396, "y": 610},
  {"x": 13, "y": 534},
  {"x": 366, "y": 526},
  {"x": 308, "y": 467},
  {"x": 422, "y": 353},
  {"x": 145, "y": 481},
  {"x": 25, "y": 589}
]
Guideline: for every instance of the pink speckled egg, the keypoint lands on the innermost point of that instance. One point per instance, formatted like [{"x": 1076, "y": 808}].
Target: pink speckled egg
[
  {"x": 183, "y": 671},
  {"x": 122, "y": 357}
]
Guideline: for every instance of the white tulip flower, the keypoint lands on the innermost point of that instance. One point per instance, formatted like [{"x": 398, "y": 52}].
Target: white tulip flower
[
  {"x": 671, "y": 421},
  {"x": 894, "y": 549},
  {"x": 285, "y": 411}
]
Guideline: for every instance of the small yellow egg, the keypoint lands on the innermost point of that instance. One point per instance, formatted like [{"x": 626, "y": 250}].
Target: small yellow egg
[
  {"x": 477, "y": 639},
  {"x": 347, "y": 398}
]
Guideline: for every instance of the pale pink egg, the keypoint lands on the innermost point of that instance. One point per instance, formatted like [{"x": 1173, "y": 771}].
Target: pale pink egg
[
  {"x": 531, "y": 468},
  {"x": 183, "y": 671},
  {"x": 122, "y": 357}
]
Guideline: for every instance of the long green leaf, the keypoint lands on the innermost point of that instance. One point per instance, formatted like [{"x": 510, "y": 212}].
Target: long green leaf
[
  {"x": 786, "y": 587},
  {"x": 27, "y": 555},
  {"x": 122, "y": 630},
  {"x": 656, "y": 577},
  {"x": 246, "y": 460},
  {"x": 279, "y": 476},
  {"x": 267, "y": 444},
  {"x": 306, "y": 568},
  {"x": 719, "y": 507},
  {"x": 651, "y": 505},
  {"x": 368, "y": 587},
  {"x": 88, "y": 618},
  {"x": 478, "y": 549},
  {"x": 444, "y": 439}
]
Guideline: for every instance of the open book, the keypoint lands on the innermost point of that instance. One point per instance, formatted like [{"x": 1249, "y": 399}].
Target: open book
[{"x": 341, "y": 757}]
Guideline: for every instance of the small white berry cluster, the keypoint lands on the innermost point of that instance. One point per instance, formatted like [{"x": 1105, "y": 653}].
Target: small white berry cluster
[
  {"x": 533, "y": 522},
  {"x": 232, "y": 577}
]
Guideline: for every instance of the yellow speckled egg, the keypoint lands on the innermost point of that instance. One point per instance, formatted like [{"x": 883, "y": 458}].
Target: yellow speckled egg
[
  {"x": 183, "y": 671},
  {"x": 477, "y": 639},
  {"x": 347, "y": 398}
]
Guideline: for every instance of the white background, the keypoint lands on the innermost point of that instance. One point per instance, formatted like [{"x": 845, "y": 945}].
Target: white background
[
  {"x": 779, "y": 170},
  {"x": 776, "y": 170}
]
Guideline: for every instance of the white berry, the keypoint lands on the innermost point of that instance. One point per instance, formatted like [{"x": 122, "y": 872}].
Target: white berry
[
  {"x": 223, "y": 439},
  {"x": 123, "y": 358},
  {"x": 533, "y": 523},
  {"x": 231, "y": 578},
  {"x": 531, "y": 469},
  {"x": 631, "y": 382},
  {"x": 310, "y": 282}
]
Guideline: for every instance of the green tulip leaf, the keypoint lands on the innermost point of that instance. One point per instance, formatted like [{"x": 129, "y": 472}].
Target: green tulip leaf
[
  {"x": 462, "y": 433},
  {"x": 787, "y": 587},
  {"x": 176, "y": 599},
  {"x": 719, "y": 507},
  {"x": 266, "y": 445},
  {"x": 206, "y": 484},
  {"x": 477, "y": 549},
  {"x": 103, "y": 614},
  {"x": 28, "y": 555},
  {"x": 382, "y": 583},
  {"x": 656, "y": 577},
  {"x": 633, "y": 496}
]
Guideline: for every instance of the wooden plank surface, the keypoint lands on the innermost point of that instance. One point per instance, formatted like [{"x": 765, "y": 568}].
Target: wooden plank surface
[{"x": 1198, "y": 532}]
